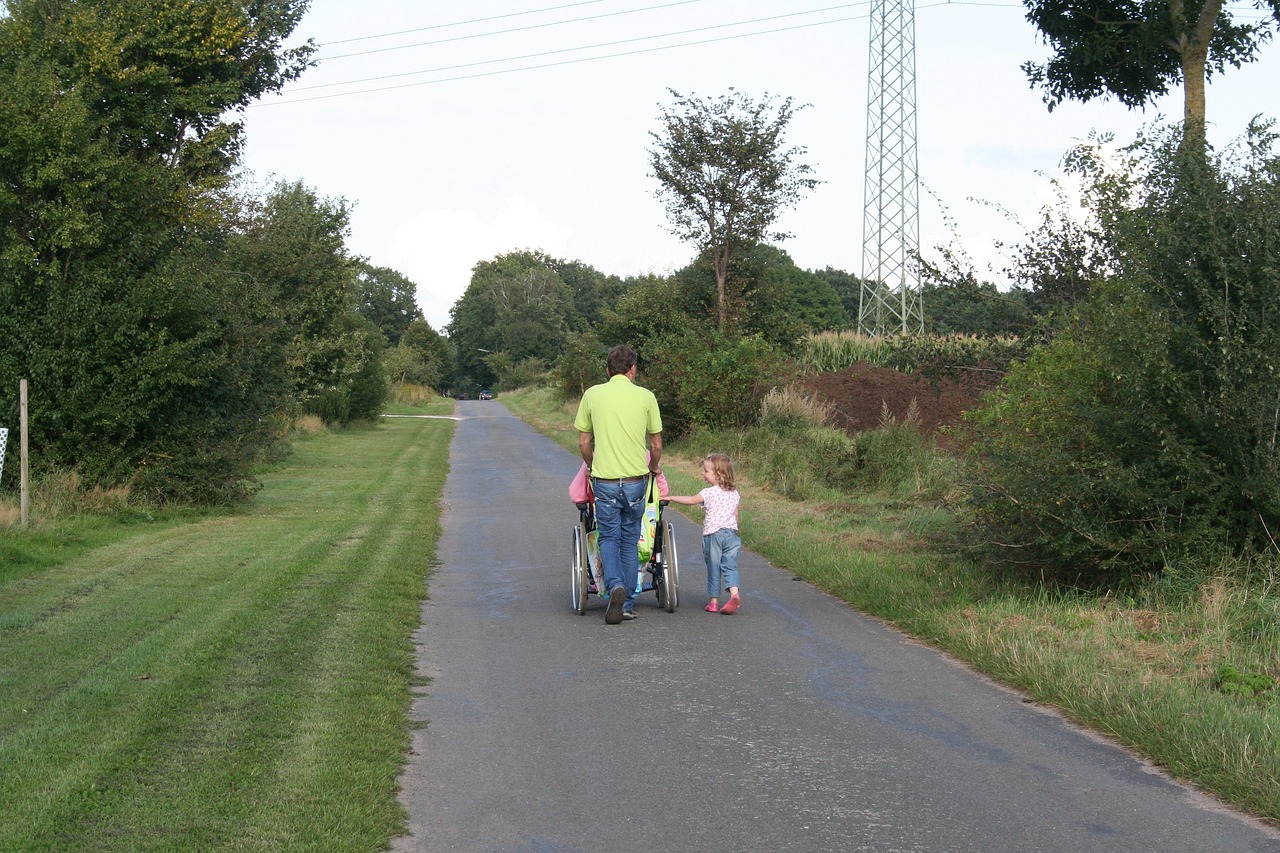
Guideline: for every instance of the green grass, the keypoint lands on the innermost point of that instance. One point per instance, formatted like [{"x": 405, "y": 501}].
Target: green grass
[
  {"x": 1184, "y": 673},
  {"x": 237, "y": 682}
]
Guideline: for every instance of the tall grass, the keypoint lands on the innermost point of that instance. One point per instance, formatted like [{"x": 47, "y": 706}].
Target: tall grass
[{"x": 833, "y": 351}]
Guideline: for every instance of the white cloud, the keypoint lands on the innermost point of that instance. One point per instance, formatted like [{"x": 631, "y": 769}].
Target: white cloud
[{"x": 438, "y": 248}]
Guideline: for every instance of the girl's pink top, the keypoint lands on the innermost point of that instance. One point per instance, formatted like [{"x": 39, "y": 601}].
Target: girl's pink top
[{"x": 722, "y": 509}]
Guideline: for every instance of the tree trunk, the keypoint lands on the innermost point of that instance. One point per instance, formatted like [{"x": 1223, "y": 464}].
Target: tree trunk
[
  {"x": 720, "y": 261},
  {"x": 1193, "y": 50}
]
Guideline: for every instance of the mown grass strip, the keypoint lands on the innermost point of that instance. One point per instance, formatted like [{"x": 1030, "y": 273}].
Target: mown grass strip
[{"x": 238, "y": 683}]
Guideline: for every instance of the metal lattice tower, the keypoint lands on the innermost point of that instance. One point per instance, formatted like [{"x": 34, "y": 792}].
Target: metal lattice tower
[{"x": 890, "y": 300}]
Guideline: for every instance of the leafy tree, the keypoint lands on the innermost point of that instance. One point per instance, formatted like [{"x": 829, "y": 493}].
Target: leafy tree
[
  {"x": 970, "y": 307},
  {"x": 592, "y": 291},
  {"x": 388, "y": 298},
  {"x": 847, "y": 286},
  {"x": 774, "y": 299},
  {"x": 581, "y": 365},
  {"x": 1135, "y": 50},
  {"x": 363, "y": 388},
  {"x": 148, "y": 359},
  {"x": 1144, "y": 435},
  {"x": 956, "y": 302},
  {"x": 1065, "y": 253},
  {"x": 516, "y": 305},
  {"x": 705, "y": 380},
  {"x": 653, "y": 306},
  {"x": 725, "y": 176},
  {"x": 295, "y": 248},
  {"x": 423, "y": 357},
  {"x": 782, "y": 294}
]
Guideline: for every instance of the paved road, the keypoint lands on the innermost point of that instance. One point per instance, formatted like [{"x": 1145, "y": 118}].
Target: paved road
[{"x": 794, "y": 725}]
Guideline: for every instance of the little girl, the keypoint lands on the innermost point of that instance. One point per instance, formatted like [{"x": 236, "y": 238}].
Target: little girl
[{"x": 720, "y": 541}]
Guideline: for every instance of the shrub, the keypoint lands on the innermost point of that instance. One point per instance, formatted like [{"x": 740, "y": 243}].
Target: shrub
[
  {"x": 1144, "y": 435},
  {"x": 790, "y": 406},
  {"x": 581, "y": 365},
  {"x": 708, "y": 381}
]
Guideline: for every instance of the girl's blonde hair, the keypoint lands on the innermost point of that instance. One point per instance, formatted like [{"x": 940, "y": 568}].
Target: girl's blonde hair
[{"x": 723, "y": 468}]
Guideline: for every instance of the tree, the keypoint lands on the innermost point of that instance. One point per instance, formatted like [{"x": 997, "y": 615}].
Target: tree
[
  {"x": 516, "y": 305},
  {"x": 847, "y": 286},
  {"x": 725, "y": 176},
  {"x": 1135, "y": 50},
  {"x": 388, "y": 298},
  {"x": 593, "y": 292},
  {"x": 151, "y": 360},
  {"x": 295, "y": 249},
  {"x": 1144, "y": 436},
  {"x": 423, "y": 357}
]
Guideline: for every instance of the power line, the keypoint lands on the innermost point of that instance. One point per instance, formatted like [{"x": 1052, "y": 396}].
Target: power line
[
  {"x": 503, "y": 32},
  {"x": 463, "y": 23},
  {"x": 458, "y": 78},
  {"x": 573, "y": 49},
  {"x": 557, "y": 64}
]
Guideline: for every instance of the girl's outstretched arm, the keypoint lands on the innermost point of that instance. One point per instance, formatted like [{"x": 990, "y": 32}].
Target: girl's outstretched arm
[{"x": 689, "y": 500}]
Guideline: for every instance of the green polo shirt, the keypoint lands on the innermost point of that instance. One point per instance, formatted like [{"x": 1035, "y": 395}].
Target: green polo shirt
[{"x": 620, "y": 416}]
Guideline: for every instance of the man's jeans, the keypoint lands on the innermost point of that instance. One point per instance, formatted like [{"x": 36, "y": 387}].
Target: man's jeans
[
  {"x": 720, "y": 550},
  {"x": 619, "y": 510}
]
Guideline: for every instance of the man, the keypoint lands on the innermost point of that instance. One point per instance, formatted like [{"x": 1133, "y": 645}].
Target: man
[{"x": 620, "y": 438}]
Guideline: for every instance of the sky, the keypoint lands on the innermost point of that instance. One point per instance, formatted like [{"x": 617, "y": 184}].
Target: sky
[{"x": 461, "y": 131}]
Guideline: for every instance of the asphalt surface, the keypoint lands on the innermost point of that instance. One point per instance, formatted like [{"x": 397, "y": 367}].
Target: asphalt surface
[{"x": 796, "y": 724}]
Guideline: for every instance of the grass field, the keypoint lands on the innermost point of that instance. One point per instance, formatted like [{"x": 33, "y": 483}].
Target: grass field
[
  {"x": 234, "y": 682},
  {"x": 1186, "y": 679}
]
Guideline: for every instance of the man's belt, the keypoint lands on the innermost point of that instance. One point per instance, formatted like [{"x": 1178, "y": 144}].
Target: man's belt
[{"x": 635, "y": 479}]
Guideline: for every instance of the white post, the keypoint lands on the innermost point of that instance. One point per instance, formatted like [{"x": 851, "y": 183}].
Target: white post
[{"x": 22, "y": 424}]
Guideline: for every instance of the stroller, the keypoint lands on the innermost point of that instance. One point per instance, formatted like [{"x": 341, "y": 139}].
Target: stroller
[{"x": 659, "y": 566}]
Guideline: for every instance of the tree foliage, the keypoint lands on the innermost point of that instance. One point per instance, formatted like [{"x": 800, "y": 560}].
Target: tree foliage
[
  {"x": 294, "y": 248},
  {"x": 147, "y": 356},
  {"x": 725, "y": 175},
  {"x": 516, "y": 306},
  {"x": 387, "y": 298},
  {"x": 1145, "y": 434},
  {"x": 1135, "y": 50},
  {"x": 708, "y": 381}
]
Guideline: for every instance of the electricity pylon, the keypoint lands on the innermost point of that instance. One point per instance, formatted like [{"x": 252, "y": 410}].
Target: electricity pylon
[{"x": 890, "y": 300}]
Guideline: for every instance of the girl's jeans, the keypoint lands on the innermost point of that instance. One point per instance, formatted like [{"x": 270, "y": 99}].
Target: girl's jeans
[{"x": 720, "y": 550}]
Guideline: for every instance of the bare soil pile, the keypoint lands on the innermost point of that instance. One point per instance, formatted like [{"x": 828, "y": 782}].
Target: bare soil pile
[{"x": 861, "y": 392}]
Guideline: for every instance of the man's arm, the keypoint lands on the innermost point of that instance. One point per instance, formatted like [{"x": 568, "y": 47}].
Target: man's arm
[
  {"x": 655, "y": 451},
  {"x": 587, "y": 447}
]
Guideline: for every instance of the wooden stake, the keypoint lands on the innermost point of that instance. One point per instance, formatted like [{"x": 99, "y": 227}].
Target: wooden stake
[{"x": 22, "y": 424}]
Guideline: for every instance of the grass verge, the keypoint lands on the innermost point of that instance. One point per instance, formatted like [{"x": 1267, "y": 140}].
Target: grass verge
[
  {"x": 241, "y": 681},
  {"x": 1185, "y": 676}
]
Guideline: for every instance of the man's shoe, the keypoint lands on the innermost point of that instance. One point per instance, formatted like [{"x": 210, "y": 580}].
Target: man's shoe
[
  {"x": 628, "y": 615},
  {"x": 617, "y": 599}
]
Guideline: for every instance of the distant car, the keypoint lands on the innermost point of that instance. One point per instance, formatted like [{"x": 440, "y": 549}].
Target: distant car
[{"x": 485, "y": 395}]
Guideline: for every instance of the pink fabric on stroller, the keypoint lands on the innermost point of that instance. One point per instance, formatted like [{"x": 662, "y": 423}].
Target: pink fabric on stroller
[{"x": 580, "y": 487}]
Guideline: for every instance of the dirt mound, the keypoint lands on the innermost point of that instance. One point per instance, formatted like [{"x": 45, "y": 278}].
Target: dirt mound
[{"x": 860, "y": 393}]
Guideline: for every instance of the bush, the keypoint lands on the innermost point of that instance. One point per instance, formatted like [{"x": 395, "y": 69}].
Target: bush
[
  {"x": 1144, "y": 435},
  {"x": 581, "y": 365},
  {"x": 896, "y": 457},
  {"x": 707, "y": 381}
]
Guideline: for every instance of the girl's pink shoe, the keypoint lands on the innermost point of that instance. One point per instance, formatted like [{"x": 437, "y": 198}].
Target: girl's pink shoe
[
  {"x": 731, "y": 606},
  {"x": 712, "y": 607}
]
